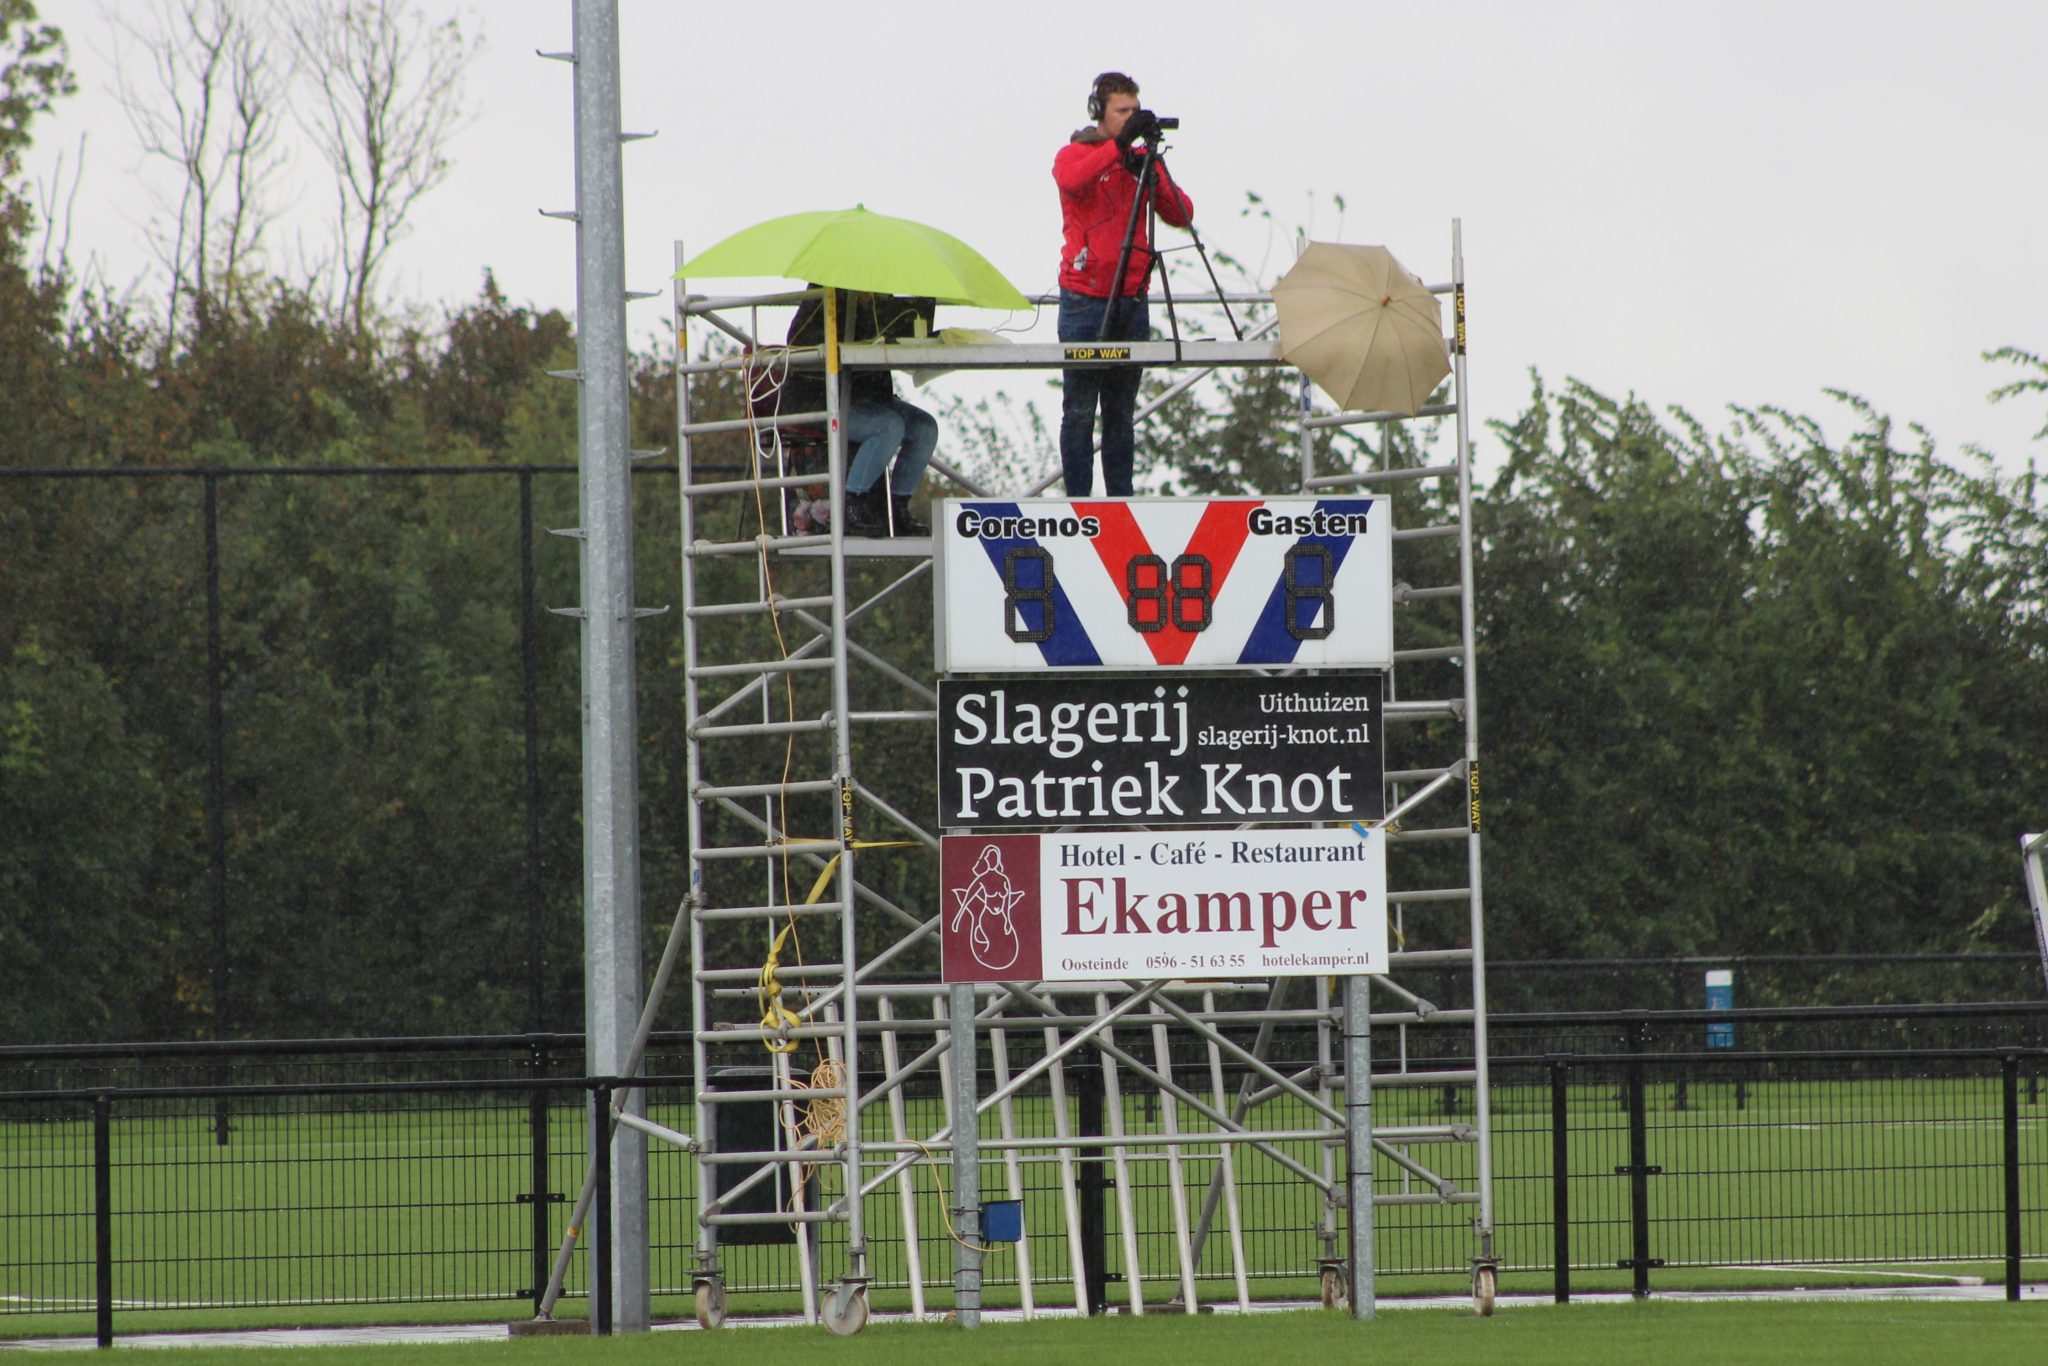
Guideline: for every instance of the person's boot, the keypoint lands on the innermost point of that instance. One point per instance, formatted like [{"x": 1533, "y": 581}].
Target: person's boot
[
  {"x": 866, "y": 512},
  {"x": 906, "y": 523}
]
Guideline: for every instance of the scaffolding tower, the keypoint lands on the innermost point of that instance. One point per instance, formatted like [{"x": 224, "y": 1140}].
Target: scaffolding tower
[{"x": 812, "y": 995}]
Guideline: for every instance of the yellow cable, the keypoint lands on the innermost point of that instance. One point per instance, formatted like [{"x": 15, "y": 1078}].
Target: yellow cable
[
  {"x": 768, "y": 992},
  {"x": 947, "y": 1214},
  {"x": 823, "y": 1120},
  {"x": 775, "y": 1015}
]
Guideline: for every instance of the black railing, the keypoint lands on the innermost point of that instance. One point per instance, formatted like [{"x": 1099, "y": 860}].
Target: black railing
[
  {"x": 1829, "y": 1160},
  {"x": 418, "y": 1170}
]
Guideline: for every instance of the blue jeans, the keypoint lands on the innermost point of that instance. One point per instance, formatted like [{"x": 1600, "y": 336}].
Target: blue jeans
[
  {"x": 884, "y": 431},
  {"x": 1114, "y": 389}
]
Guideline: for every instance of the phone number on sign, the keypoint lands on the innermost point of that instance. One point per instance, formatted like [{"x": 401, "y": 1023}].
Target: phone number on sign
[{"x": 1193, "y": 962}]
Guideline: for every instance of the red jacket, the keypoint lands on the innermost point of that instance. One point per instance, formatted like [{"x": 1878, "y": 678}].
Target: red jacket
[{"x": 1095, "y": 205}]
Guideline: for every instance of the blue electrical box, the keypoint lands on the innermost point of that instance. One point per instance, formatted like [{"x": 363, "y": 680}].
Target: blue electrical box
[
  {"x": 1002, "y": 1221},
  {"x": 1721, "y": 996}
]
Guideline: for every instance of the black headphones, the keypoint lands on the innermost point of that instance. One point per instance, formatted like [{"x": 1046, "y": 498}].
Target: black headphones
[{"x": 1098, "y": 98}]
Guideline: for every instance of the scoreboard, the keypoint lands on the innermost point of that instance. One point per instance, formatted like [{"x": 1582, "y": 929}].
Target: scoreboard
[{"x": 1164, "y": 583}]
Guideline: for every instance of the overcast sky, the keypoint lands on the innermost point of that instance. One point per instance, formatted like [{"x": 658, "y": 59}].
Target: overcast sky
[{"x": 1730, "y": 202}]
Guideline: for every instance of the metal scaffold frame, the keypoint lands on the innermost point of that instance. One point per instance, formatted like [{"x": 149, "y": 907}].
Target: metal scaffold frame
[
  {"x": 788, "y": 768},
  {"x": 2033, "y": 852}
]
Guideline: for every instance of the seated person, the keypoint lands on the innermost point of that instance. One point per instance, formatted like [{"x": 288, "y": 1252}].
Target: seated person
[{"x": 887, "y": 436}]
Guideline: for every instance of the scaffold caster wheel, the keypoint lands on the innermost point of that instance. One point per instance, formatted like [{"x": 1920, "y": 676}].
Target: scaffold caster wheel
[
  {"x": 845, "y": 1310},
  {"x": 1335, "y": 1294},
  {"x": 1485, "y": 1281},
  {"x": 710, "y": 1304}
]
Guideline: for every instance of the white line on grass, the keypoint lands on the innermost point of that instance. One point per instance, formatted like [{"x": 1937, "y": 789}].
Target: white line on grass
[{"x": 1938, "y": 1276}]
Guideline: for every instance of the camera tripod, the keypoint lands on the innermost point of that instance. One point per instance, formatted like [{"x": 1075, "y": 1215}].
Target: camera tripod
[{"x": 1146, "y": 204}]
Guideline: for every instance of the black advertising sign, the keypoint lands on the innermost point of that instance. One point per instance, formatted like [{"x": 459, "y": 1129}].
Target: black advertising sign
[{"x": 1085, "y": 750}]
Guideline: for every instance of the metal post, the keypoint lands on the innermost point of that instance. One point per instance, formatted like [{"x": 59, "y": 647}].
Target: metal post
[
  {"x": 1638, "y": 1172},
  {"x": 906, "y": 1180},
  {"x": 966, "y": 1158},
  {"x": 1013, "y": 1171},
  {"x": 537, "y": 1119},
  {"x": 1276, "y": 1000},
  {"x": 1358, "y": 1142},
  {"x": 2009, "y": 1067},
  {"x": 103, "y": 1215},
  {"x": 1162, "y": 1102},
  {"x": 216, "y": 790},
  {"x": 1086, "y": 1301},
  {"x": 1120, "y": 1164},
  {"x": 1226, "y": 1167},
  {"x": 707, "y": 1279},
  {"x": 2033, "y": 853},
  {"x": 529, "y": 688},
  {"x": 603, "y": 1283},
  {"x": 1326, "y": 1068},
  {"x": 1560, "y": 1184},
  {"x": 1482, "y": 1090},
  {"x": 1094, "y": 1191},
  {"x": 611, "y": 804},
  {"x": 838, "y": 389}
]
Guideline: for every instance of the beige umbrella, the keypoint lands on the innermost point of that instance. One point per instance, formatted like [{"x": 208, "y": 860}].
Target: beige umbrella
[{"x": 1362, "y": 327}]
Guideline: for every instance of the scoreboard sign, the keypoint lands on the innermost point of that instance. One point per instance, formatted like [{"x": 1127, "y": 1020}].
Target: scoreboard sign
[
  {"x": 1164, "y": 583},
  {"x": 1188, "y": 749},
  {"x": 1209, "y": 903}
]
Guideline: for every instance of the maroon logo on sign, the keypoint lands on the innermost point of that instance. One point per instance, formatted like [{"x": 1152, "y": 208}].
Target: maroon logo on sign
[{"x": 988, "y": 923}]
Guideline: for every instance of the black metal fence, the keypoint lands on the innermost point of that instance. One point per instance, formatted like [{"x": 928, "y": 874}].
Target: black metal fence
[
  {"x": 1832, "y": 1163},
  {"x": 404, "y": 1172}
]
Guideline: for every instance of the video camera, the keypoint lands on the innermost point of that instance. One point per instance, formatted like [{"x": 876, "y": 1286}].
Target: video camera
[{"x": 1154, "y": 125}]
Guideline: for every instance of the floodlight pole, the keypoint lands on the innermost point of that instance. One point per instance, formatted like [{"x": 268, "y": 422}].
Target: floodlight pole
[{"x": 611, "y": 773}]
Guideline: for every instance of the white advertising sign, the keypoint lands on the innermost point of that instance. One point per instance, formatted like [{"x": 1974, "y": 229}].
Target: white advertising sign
[
  {"x": 1213, "y": 903},
  {"x": 1164, "y": 583}
]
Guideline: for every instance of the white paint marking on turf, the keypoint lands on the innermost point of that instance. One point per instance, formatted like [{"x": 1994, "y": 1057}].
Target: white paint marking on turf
[
  {"x": 57, "y": 1302},
  {"x": 1938, "y": 1276},
  {"x": 1766, "y": 1126}
]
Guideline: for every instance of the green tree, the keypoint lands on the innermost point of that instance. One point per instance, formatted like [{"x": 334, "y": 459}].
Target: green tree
[
  {"x": 2033, "y": 382},
  {"x": 1752, "y": 693},
  {"x": 34, "y": 74},
  {"x": 82, "y": 948}
]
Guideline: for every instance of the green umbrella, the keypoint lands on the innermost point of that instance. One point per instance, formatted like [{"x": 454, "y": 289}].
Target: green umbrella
[{"x": 855, "y": 249}]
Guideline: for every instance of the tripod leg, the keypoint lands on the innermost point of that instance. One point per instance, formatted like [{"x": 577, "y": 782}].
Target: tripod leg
[
  {"x": 1123, "y": 256},
  {"x": 1202, "y": 251}
]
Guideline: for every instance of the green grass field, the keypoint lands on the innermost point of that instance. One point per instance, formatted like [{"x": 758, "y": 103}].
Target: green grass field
[
  {"x": 1802, "y": 1333},
  {"x": 358, "y": 1211}
]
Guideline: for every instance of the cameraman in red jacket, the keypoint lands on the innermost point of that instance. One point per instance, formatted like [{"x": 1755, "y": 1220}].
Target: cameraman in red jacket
[{"x": 1097, "y": 173}]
